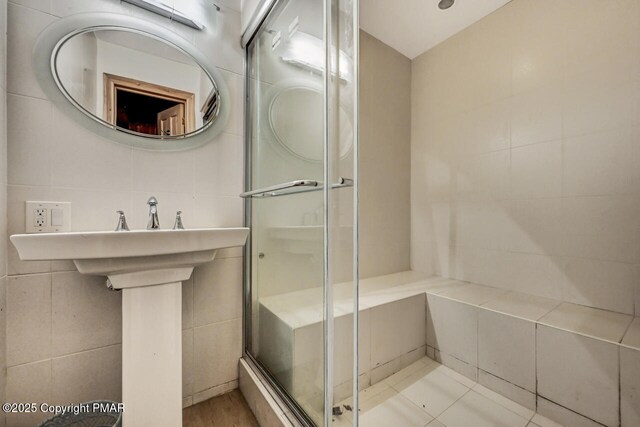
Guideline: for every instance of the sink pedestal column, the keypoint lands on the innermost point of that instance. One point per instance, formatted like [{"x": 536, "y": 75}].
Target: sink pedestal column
[{"x": 152, "y": 354}]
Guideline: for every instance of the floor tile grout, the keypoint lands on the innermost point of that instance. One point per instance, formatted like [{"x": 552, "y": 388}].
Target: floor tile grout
[
  {"x": 528, "y": 419},
  {"x": 398, "y": 392}
]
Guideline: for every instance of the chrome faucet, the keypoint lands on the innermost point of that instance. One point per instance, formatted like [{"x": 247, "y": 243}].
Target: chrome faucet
[{"x": 153, "y": 223}]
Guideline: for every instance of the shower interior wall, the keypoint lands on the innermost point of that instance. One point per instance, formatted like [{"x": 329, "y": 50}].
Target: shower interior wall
[{"x": 525, "y": 153}]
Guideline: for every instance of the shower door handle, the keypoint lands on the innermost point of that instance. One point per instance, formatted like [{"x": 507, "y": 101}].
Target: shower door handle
[
  {"x": 281, "y": 189},
  {"x": 294, "y": 187}
]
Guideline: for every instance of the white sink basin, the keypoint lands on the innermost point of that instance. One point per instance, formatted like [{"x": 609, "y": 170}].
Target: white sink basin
[
  {"x": 149, "y": 267},
  {"x": 117, "y": 244},
  {"x": 131, "y": 258}
]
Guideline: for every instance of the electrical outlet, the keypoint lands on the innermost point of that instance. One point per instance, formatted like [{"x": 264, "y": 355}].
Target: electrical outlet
[
  {"x": 48, "y": 217},
  {"x": 39, "y": 217}
]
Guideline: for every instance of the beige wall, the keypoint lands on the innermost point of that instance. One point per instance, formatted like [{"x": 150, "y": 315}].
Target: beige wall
[
  {"x": 63, "y": 328},
  {"x": 526, "y": 152},
  {"x": 384, "y": 162}
]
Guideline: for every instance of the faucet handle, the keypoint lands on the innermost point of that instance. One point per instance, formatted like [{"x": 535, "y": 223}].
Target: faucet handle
[
  {"x": 122, "y": 222},
  {"x": 178, "y": 224}
]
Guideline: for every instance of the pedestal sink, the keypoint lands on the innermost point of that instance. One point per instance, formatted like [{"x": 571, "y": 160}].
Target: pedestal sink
[{"x": 149, "y": 267}]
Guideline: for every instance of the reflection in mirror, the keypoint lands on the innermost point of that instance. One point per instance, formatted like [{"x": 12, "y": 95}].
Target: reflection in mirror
[
  {"x": 293, "y": 116},
  {"x": 136, "y": 83}
]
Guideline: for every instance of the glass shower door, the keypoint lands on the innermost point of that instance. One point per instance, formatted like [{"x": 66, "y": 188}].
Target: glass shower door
[{"x": 301, "y": 134}]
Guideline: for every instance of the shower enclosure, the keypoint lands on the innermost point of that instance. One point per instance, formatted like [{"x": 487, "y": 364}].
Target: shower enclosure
[{"x": 301, "y": 203}]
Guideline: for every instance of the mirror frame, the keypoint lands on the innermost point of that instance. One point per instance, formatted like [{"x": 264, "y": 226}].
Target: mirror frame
[{"x": 53, "y": 37}]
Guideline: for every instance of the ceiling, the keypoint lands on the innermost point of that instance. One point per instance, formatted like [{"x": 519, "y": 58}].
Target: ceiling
[{"x": 414, "y": 26}]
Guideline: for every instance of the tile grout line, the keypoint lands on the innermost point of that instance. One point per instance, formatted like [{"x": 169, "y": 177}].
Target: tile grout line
[
  {"x": 473, "y": 389},
  {"x": 398, "y": 392},
  {"x": 569, "y": 410},
  {"x": 513, "y": 401},
  {"x": 626, "y": 330},
  {"x": 19, "y": 365},
  {"x": 454, "y": 402}
]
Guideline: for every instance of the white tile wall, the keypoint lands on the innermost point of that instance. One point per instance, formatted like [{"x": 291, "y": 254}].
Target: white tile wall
[
  {"x": 520, "y": 305},
  {"x": 601, "y": 324},
  {"x": 597, "y": 101},
  {"x": 505, "y": 388},
  {"x": 56, "y": 317},
  {"x": 217, "y": 348},
  {"x": 602, "y": 227},
  {"x": 473, "y": 294},
  {"x": 218, "y": 282},
  {"x": 33, "y": 152},
  {"x": 542, "y": 215},
  {"x": 23, "y": 27},
  {"x": 555, "y": 143},
  {"x": 485, "y": 128},
  {"x": 386, "y": 343},
  {"x": 459, "y": 366},
  {"x": 601, "y": 163},
  {"x": 70, "y": 151},
  {"x": 609, "y": 283},
  {"x": 187, "y": 362},
  {"x": 30, "y": 382},
  {"x": 95, "y": 323},
  {"x": 536, "y": 170},
  {"x": 537, "y": 116},
  {"x": 96, "y": 373},
  {"x": 483, "y": 176},
  {"x": 452, "y": 328},
  {"x": 28, "y": 318},
  {"x": 580, "y": 361},
  {"x": 548, "y": 409},
  {"x": 506, "y": 348},
  {"x": 563, "y": 361}
]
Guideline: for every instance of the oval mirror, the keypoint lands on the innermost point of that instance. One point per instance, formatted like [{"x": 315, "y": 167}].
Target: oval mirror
[
  {"x": 293, "y": 117},
  {"x": 142, "y": 81}
]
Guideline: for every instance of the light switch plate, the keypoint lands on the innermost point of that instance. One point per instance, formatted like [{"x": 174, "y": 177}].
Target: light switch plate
[{"x": 47, "y": 217}]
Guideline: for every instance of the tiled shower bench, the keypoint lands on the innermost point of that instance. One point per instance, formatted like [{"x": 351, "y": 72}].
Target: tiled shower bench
[{"x": 573, "y": 364}]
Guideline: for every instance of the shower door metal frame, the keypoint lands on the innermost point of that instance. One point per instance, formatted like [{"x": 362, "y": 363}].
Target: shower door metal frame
[{"x": 263, "y": 12}]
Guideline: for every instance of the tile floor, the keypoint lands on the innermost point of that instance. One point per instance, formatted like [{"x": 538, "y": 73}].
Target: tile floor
[{"x": 427, "y": 393}]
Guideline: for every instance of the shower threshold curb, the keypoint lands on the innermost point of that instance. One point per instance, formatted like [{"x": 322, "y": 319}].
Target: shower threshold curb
[{"x": 266, "y": 406}]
